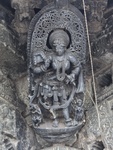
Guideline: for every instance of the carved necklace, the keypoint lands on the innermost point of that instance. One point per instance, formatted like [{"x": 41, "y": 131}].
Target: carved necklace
[{"x": 60, "y": 70}]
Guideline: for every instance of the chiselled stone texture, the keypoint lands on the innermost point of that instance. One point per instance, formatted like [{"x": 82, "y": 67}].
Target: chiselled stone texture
[
  {"x": 15, "y": 132},
  {"x": 15, "y": 125},
  {"x": 103, "y": 41},
  {"x": 99, "y": 125},
  {"x": 95, "y": 11},
  {"x": 24, "y": 11},
  {"x": 10, "y": 61}
]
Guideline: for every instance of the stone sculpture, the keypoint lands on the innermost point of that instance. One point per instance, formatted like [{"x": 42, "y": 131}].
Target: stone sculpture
[{"x": 56, "y": 51}]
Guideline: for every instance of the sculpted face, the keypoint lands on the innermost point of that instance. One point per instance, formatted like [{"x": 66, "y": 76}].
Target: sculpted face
[
  {"x": 59, "y": 47},
  {"x": 59, "y": 41}
]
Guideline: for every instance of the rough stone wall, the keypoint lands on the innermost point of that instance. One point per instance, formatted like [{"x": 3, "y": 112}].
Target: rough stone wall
[{"x": 16, "y": 130}]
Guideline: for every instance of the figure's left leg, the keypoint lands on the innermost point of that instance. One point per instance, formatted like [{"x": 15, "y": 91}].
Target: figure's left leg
[
  {"x": 68, "y": 120},
  {"x": 55, "y": 122},
  {"x": 63, "y": 98},
  {"x": 55, "y": 103}
]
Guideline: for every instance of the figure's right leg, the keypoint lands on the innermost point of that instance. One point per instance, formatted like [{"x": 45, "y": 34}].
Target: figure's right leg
[{"x": 55, "y": 122}]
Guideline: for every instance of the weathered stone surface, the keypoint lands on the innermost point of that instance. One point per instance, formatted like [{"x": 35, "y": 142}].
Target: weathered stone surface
[
  {"x": 22, "y": 88},
  {"x": 15, "y": 134},
  {"x": 99, "y": 126},
  {"x": 15, "y": 123},
  {"x": 14, "y": 131},
  {"x": 10, "y": 61}
]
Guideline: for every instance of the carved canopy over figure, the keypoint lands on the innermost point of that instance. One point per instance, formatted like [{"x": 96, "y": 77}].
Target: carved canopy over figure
[{"x": 56, "y": 51}]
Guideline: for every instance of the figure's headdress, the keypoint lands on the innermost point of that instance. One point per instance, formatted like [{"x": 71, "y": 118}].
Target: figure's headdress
[{"x": 59, "y": 35}]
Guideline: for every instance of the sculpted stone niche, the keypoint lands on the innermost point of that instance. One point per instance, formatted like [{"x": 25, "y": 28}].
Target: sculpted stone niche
[
  {"x": 16, "y": 129},
  {"x": 56, "y": 52}
]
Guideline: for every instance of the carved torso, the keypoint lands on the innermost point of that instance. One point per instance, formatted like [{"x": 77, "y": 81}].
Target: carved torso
[{"x": 62, "y": 61}]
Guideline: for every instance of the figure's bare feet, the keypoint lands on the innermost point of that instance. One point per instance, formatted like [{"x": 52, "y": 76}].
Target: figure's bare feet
[
  {"x": 55, "y": 123},
  {"x": 69, "y": 122},
  {"x": 75, "y": 123}
]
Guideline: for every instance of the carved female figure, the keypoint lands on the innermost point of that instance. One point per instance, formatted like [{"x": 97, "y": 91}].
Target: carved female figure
[{"x": 62, "y": 77}]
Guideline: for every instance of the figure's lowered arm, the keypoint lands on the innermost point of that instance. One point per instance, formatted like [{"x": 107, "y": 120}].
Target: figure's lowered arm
[{"x": 76, "y": 68}]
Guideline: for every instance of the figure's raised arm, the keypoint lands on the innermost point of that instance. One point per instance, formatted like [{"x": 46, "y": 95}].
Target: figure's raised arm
[{"x": 41, "y": 63}]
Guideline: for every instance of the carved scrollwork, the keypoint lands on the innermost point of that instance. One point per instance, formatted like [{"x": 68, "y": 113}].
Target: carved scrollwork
[{"x": 60, "y": 19}]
